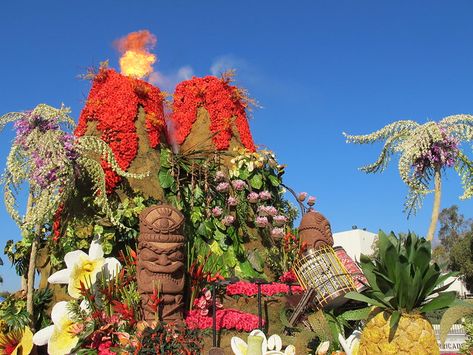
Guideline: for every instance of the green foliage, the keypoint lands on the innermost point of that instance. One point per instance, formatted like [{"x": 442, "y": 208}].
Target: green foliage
[
  {"x": 413, "y": 142},
  {"x": 452, "y": 226},
  {"x": 467, "y": 347},
  {"x": 402, "y": 279},
  {"x": 461, "y": 259},
  {"x": 18, "y": 254},
  {"x": 13, "y": 314},
  {"x": 80, "y": 227}
]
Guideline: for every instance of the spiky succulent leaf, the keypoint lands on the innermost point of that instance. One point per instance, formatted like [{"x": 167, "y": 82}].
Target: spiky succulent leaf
[{"x": 443, "y": 300}]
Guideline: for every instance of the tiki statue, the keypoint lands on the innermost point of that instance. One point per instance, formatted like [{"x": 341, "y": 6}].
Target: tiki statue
[
  {"x": 315, "y": 230},
  {"x": 161, "y": 262}
]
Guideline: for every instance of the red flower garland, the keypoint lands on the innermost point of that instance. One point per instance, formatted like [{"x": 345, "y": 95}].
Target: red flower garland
[
  {"x": 243, "y": 288},
  {"x": 113, "y": 102},
  {"x": 226, "y": 319},
  {"x": 223, "y": 103}
]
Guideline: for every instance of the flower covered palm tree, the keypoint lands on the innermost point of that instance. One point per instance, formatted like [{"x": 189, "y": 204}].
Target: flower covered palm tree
[
  {"x": 51, "y": 162},
  {"x": 425, "y": 151}
]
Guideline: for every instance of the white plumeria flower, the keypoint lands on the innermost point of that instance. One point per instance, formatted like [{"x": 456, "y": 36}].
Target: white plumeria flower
[
  {"x": 270, "y": 346},
  {"x": 353, "y": 343},
  {"x": 83, "y": 268},
  {"x": 60, "y": 336}
]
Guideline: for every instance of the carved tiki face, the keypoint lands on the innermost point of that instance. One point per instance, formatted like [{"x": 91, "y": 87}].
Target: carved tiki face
[
  {"x": 315, "y": 230},
  {"x": 161, "y": 258}
]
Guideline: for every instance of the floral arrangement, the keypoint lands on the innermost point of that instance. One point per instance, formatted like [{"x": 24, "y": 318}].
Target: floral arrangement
[
  {"x": 226, "y": 105},
  {"x": 116, "y": 98},
  {"x": 229, "y": 208},
  {"x": 235, "y": 211},
  {"x": 104, "y": 315},
  {"x": 226, "y": 319}
]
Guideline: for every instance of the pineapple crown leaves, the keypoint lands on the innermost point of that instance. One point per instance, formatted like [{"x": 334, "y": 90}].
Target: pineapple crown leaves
[
  {"x": 402, "y": 278},
  {"x": 414, "y": 142}
]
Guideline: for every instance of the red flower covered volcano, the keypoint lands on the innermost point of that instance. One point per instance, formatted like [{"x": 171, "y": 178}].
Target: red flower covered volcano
[
  {"x": 224, "y": 104},
  {"x": 113, "y": 103}
]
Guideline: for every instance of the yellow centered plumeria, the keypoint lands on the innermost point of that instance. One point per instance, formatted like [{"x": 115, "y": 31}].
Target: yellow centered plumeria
[
  {"x": 60, "y": 336},
  {"x": 82, "y": 269}
]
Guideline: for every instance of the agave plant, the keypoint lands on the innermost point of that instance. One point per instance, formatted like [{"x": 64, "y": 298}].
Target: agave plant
[
  {"x": 425, "y": 150},
  {"x": 404, "y": 286},
  {"x": 50, "y": 161}
]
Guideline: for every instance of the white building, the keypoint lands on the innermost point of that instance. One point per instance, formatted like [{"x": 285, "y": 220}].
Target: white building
[{"x": 355, "y": 242}]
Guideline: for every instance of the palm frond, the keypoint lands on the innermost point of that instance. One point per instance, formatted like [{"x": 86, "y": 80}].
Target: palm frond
[
  {"x": 463, "y": 131},
  {"x": 52, "y": 113},
  {"x": 456, "y": 119},
  {"x": 388, "y": 150},
  {"x": 464, "y": 168},
  {"x": 384, "y": 133},
  {"x": 90, "y": 144},
  {"x": 9, "y": 118}
]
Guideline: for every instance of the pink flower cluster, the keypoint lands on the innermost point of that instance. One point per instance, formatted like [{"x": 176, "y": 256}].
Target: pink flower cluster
[
  {"x": 228, "y": 220},
  {"x": 232, "y": 201},
  {"x": 204, "y": 303},
  {"x": 288, "y": 277},
  {"x": 253, "y": 197},
  {"x": 217, "y": 211},
  {"x": 223, "y": 187},
  {"x": 265, "y": 195},
  {"x": 239, "y": 185},
  {"x": 267, "y": 210},
  {"x": 262, "y": 222},
  {"x": 243, "y": 288},
  {"x": 226, "y": 319}
]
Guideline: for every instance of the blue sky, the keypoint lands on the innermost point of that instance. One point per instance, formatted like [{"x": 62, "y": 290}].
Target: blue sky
[{"x": 317, "y": 67}]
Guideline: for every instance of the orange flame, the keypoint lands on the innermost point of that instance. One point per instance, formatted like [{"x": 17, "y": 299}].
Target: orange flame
[{"x": 136, "y": 60}]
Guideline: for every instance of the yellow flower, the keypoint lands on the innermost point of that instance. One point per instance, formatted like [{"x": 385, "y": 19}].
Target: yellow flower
[
  {"x": 61, "y": 337},
  {"x": 83, "y": 268},
  {"x": 19, "y": 342}
]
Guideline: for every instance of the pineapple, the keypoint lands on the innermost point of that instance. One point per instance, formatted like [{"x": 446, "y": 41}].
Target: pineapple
[{"x": 404, "y": 285}]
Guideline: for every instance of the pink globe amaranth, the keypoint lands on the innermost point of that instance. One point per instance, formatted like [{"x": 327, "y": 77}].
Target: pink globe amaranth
[
  {"x": 223, "y": 187},
  {"x": 253, "y": 197}
]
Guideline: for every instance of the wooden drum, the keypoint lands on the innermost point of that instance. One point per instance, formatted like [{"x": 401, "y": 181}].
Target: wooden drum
[{"x": 323, "y": 271}]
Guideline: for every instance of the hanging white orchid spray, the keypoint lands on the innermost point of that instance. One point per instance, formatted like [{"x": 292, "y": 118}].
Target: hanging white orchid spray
[
  {"x": 50, "y": 161},
  {"x": 425, "y": 151}
]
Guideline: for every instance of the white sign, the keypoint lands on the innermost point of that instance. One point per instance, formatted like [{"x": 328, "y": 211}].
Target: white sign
[{"x": 455, "y": 339}]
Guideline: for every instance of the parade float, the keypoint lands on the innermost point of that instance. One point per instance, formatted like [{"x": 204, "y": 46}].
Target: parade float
[{"x": 158, "y": 227}]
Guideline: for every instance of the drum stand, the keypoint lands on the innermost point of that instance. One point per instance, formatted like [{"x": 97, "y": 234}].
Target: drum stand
[{"x": 304, "y": 303}]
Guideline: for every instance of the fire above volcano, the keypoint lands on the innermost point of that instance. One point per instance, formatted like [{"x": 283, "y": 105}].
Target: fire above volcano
[{"x": 136, "y": 60}]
